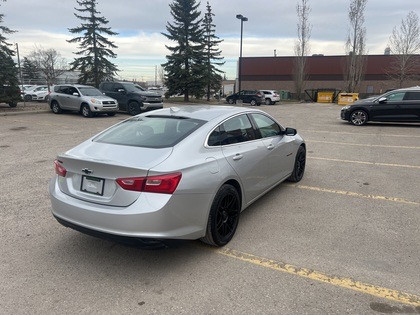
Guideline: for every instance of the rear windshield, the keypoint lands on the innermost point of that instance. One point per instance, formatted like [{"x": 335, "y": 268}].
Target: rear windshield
[{"x": 150, "y": 131}]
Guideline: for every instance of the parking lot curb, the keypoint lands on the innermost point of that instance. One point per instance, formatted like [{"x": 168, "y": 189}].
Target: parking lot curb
[{"x": 41, "y": 111}]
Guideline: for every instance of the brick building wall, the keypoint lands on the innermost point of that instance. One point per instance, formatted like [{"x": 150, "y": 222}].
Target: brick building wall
[{"x": 323, "y": 72}]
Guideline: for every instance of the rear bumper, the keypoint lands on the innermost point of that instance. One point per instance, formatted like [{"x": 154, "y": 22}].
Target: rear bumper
[{"x": 156, "y": 216}]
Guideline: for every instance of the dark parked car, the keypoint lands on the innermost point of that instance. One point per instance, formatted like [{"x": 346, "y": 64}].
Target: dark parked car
[
  {"x": 401, "y": 105},
  {"x": 132, "y": 97},
  {"x": 10, "y": 95},
  {"x": 252, "y": 97}
]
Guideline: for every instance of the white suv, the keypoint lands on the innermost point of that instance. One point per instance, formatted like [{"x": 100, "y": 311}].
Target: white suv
[{"x": 271, "y": 97}]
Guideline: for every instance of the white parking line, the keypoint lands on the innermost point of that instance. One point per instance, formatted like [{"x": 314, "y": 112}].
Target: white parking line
[{"x": 363, "y": 162}]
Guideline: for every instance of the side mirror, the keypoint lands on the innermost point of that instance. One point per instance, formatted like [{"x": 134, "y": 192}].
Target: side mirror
[
  {"x": 290, "y": 132},
  {"x": 121, "y": 90},
  {"x": 382, "y": 100},
  {"x": 76, "y": 94}
]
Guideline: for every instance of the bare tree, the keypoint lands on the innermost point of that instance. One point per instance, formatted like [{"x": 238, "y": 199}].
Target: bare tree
[
  {"x": 49, "y": 63},
  {"x": 302, "y": 45},
  {"x": 356, "y": 45},
  {"x": 404, "y": 43}
]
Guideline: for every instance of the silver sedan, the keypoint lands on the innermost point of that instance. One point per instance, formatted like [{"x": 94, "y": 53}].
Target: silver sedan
[{"x": 175, "y": 173}]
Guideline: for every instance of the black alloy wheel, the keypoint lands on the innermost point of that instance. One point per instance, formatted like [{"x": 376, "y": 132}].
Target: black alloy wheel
[
  {"x": 224, "y": 216},
  {"x": 231, "y": 101},
  {"x": 133, "y": 108},
  {"x": 358, "y": 117},
  {"x": 299, "y": 168},
  {"x": 253, "y": 102}
]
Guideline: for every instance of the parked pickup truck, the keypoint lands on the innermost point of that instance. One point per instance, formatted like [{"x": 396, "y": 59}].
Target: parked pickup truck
[{"x": 132, "y": 97}]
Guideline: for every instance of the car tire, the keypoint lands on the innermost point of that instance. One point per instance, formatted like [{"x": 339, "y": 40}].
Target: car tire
[
  {"x": 12, "y": 104},
  {"x": 224, "y": 216},
  {"x": 27, "y": 98},
  {"x": 86, "y": 112},
  {"x": 133, "y": 108},
  {"x": 268, "y": 101},
  {"x": 253, "y": 102},
  {"x": 231, "y": 101},
  {"x": 111, "y": 114},
  {"x": 55, "y": 107},
  {"x": 299, "y": 167},
  {"x": 358, "y": 117},
  {"x": 273, "y": 103}
]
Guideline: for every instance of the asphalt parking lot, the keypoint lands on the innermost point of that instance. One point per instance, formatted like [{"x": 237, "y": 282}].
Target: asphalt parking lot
[{"x": 344, "y": 240}]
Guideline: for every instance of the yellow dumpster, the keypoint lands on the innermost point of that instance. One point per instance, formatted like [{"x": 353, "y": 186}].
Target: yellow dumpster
[
  {"x": 325, "y": 97},
  {"x": 347, "y": 98}
]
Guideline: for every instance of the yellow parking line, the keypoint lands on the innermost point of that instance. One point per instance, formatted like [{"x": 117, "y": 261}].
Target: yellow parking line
[
  {"x": 363, "y": 162},
  {"x": 361, "y": 134},
  {"x": 348, "y": 283},
  {"x": 365, "y": 144},
  {"x": 354, "y": 194}
]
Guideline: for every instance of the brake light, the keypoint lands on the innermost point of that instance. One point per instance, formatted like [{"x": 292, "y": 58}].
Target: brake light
[
  {"x": 60, "y": 170},
  {"x": 163, "y": 184}
]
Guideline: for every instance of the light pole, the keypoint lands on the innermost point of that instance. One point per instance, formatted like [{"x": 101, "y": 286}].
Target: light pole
[
  {"x": 243, "y": 19},
  {"x": 20, "y": 73}
]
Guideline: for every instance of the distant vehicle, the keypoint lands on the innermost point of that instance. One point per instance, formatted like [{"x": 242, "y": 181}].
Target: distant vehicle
[
  {"x": 177, "y": 173},
  {"x": 402, "y": 105},
  {"x": 271, "y": 97},
  {"x": 10, "y": 95},
  {"x": 85, "y": 99},
  {"x": 39, "y": 94},
  {"x": 131, "y": 97},
  {"x": 27, "y": 95},
  {"x": 253, "y": 97}
]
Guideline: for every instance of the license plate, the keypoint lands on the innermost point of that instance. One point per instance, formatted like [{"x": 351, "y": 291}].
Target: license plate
[{"x": 92, "y": 185}]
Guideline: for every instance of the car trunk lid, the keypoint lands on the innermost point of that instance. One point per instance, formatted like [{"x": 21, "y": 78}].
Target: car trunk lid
[{"x": 93, "y": 167}]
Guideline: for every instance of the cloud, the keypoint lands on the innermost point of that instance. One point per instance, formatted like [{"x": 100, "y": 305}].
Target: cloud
[{"x": 271, "y": 25}]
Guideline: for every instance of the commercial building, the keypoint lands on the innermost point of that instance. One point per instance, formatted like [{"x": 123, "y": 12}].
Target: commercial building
[{"x": 324, "y": 72}]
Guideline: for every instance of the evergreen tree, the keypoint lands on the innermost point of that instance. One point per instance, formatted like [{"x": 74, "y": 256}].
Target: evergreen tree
[
  {"x": 4, "y": 30},
  {"x": 9, "y": 71},
  {"x": 185, "y": 65},
  {"x": 30, "y": 71},
  {"x": 211, "y": 41},
  {"x": 95, "y": 49}
]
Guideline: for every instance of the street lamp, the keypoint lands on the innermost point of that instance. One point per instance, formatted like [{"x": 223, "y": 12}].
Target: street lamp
[{"x": 243, "y": 19}]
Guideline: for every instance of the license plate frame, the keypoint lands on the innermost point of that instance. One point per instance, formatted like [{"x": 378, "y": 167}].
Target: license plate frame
[{"x": 95, "y": 184}]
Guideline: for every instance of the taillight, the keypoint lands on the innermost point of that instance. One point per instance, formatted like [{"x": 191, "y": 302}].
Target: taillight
[
  {"x": 59, "y": 169},
  {"x": 163, "y": 184}
]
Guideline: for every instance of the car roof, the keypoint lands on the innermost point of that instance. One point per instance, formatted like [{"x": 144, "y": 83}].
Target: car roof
[
  {"x": 202, "y": 112},
  {"x": 413, "y": 88}
]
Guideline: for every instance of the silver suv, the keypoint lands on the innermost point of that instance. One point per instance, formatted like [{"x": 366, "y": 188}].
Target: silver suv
[{"x": 82, "y": 98}]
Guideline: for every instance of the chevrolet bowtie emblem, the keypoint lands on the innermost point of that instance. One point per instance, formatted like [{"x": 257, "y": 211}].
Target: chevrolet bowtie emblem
[{"x": 87, "y": 171}]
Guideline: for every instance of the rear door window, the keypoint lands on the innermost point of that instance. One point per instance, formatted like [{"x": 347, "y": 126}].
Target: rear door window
[
  {"x": 236, "y": 130},
  {"x": 107, "y": 86},
  {"x": 412, "y": 96},
  {"x": 150, "y": 131}
]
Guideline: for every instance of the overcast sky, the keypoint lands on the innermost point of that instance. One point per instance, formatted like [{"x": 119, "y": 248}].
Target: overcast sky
[{"x": 271, "y": 25}]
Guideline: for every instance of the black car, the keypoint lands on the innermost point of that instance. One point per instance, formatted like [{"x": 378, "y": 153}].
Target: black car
[
  {"x": 10, "y": 95},
  {"x": 401, "y": 105},
  {"x": 252, "y": 97},
  {"x": 132, "y": 97}
]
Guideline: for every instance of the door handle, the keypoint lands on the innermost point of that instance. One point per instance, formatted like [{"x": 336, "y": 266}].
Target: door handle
[
  {"x": 237, "y": 157},
  {"x": 270, "y": 147}
]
